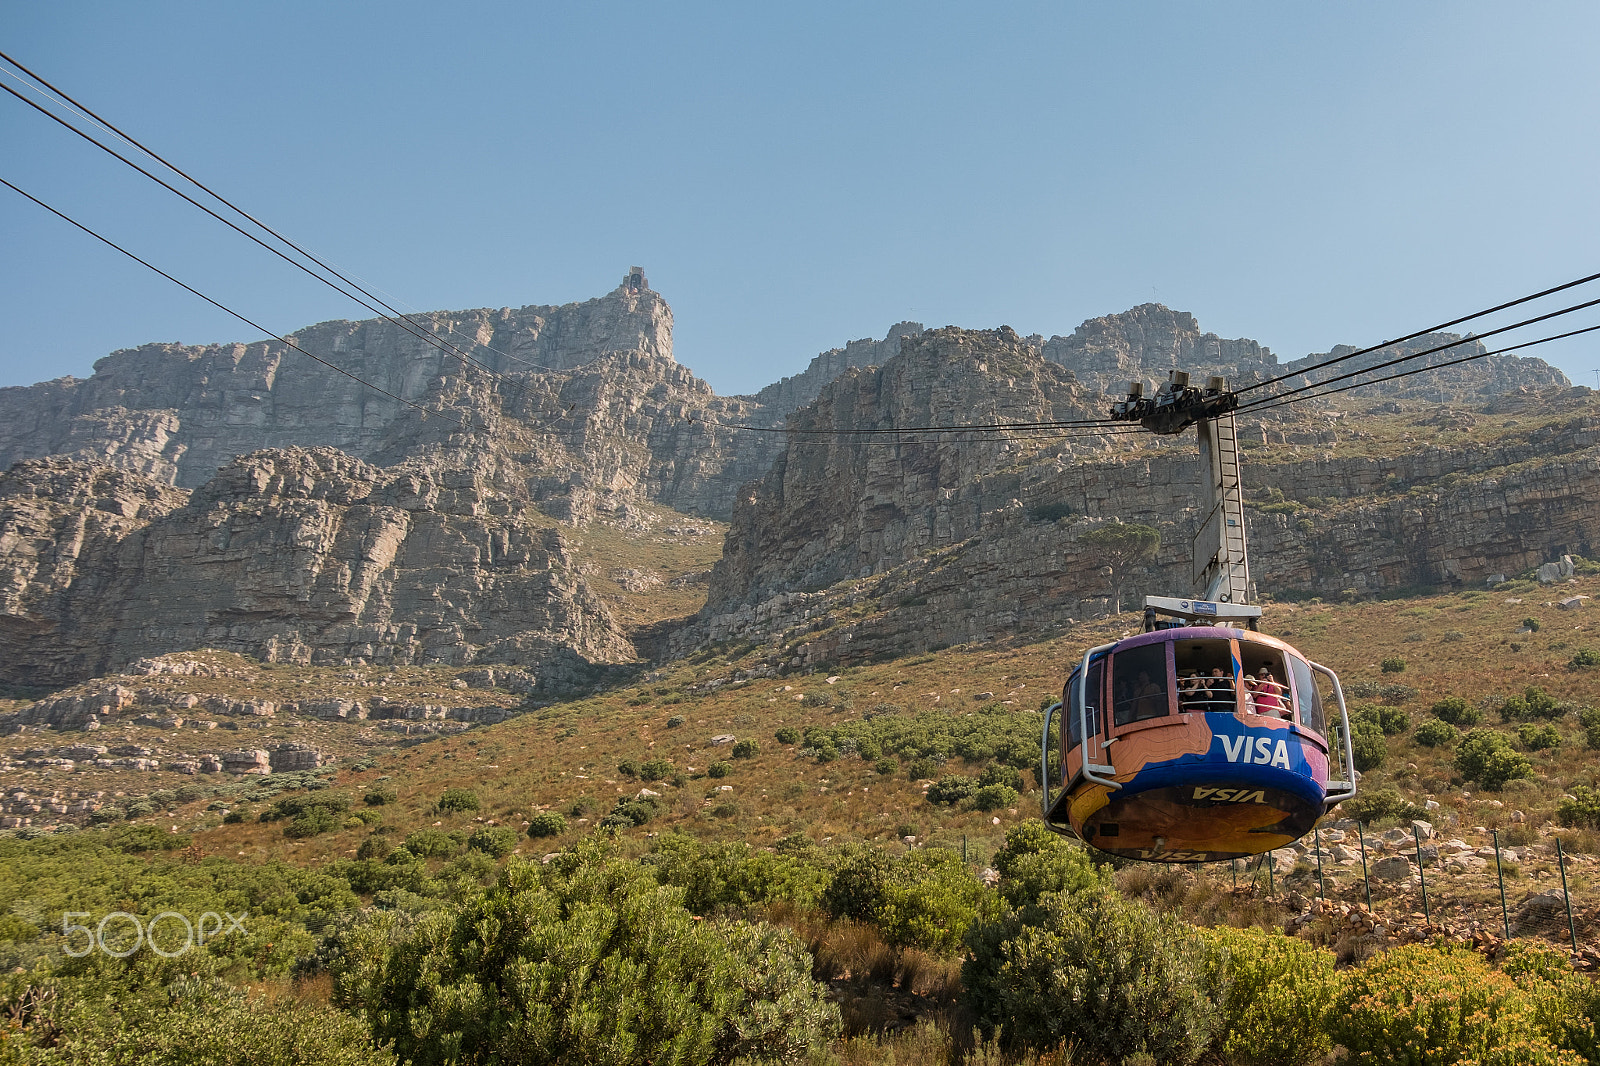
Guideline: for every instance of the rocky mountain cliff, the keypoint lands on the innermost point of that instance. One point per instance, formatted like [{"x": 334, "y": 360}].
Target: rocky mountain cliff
[
  {"x": 244, "y": 498},
  {"x": 849, "y": 549}
]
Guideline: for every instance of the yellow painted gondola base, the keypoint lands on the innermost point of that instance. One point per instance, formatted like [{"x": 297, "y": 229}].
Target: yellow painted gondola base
[{"x": 1190, "y": 823}]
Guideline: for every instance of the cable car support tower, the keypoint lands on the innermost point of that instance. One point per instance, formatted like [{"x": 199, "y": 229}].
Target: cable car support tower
[{"x": 1221, "y": 562}]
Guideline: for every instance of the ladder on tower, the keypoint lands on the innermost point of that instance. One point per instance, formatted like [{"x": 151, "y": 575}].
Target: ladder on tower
[{"x": 1221, "y": 557}]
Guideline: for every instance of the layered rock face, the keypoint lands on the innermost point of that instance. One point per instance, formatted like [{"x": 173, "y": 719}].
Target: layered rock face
[
  {"x": 846, "y": 550},
  {"x": 297, "y": 556},
  {"x": 177, "y": 413}
]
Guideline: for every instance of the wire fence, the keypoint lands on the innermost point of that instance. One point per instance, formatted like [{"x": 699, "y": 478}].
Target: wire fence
[{"x": 1357, "y": 885}]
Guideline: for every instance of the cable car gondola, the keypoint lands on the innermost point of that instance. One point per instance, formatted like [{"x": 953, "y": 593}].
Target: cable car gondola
[{"x": 1200, "y": 739}]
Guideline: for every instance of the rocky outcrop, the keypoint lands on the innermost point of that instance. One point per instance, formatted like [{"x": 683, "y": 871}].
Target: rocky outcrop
[
  {"x": 792, "y": 393},
  {"x": 177, "y": 413},
  {"x": 1149, "y": 341},
  {"x": 314, "y": 556},
  {"x": 846, "y": 551}
]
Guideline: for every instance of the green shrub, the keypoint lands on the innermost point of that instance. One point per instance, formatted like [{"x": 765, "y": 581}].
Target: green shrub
[
  {"x": 734, "y": 876},
  {"x": 925, "y": 899},
  {"x": 1531, "y": 625},
  {"x": 1393, "y": 664},
  {"x": 921, "y": 769},
  {"x": 1001, "y": 774},
  {"x": 380, "y": 796},
  {"x": 1397, "y": 693},
  {"x": 1426, "y": 1005},
  {"x": 1275, "y": 993},
  {"x": 1368, "y": 748},
  {"x": 1390, "y": 721},
  {"x": 136, "y": 839},
  {"x": 588, "y": 959},
  {"x": 675, "y": 721},
  {"x": 951, "y": 788},
  {"x": 787, "y": 735},
  {"x": 546, "y": 824},
  {"x": 295, "y": 806},
  {"x": 458, "y": 799},
  {"x": 1434, "y": 733},
  {"x": 1104, "y": 973},
  {"x": 1034, "y": 861},
  {"x": 655, "y": 770},
  {"x": 1457, "y": 712},
  {"x": 1486, "y": 756},
  {"x": 1538, "y": 737},
  {"x": 203, "y": 1021},
  {"x": 231, "y": 818},
  {"x": 1585, "y": 657},
  {"x": 1533, "y": 703},
  {"x": 431, "y": 843},
  {"x": 632, "y": 812},
  {"x": 375, "y": 847},
  {"x": 994, "y": 798},
  {"x": 311, "y": 822},
  {"x": 746, "y": 749},
  {"x": 886, "y": 766},
  {"x": 1580, "y": 808},
  {"x": 628, "y": 768},
  {"x": 1591, "y": 737},
  {"x": 494, "y": 841},
  {"x": 1375, "y": 804}
]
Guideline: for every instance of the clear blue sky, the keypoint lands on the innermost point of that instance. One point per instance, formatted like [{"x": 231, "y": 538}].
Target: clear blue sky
[{"x": 794, "y": 176}]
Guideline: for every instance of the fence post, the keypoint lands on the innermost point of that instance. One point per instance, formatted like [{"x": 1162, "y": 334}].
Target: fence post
[
  {"x": 1322, "y": 884},
  {"x": 963, "y": 849},
  {"x": 1366, "y": 879},
  {"x": 1500, "y": 875},
  {"x": 1416, "y": 838},
  {"x": 1561, "y": 862}
]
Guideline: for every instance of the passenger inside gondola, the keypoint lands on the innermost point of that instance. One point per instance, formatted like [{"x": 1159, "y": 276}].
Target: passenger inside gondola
[
  {"x": 1205, "y": 668},
  {"x": 1266, "y": 692},
  {"x": 1139, "y": 684}
]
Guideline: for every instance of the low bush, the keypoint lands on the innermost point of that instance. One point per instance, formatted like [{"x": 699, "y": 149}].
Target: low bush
[
  {"x": 719, "y": 769},
  {"x": 631, "y": 812},
  {"x": 628, "y": 768},
  {"x": 375, "y": 847},
  {"x": 1393, "y": 664},
  {"x": 1538, "y": 737},
  {"x": 1586, "y": 657},
  {"x": 458, "y": 799},
  {"x": 1580, "y": 808},
  {"x": 787, "y": 735},
  {"x": 746, "y": 749},
  {"x": 921, "y": 769},
  {"x": 1000, "y": 774},
  {"x": 1425, "y": 1005},
  {"x": 1486, "y": 756},
  {"x": 546, "y": 824},
  {"x": 675, "y": 721},
  {"x": 994, "y": 798},
  {"x": 588, "y": 959},
  {"x": 1390, "y": 721},
  {"x": 925, "y": 899},
  {"x": 655, "y": 770},
  {"x": 431, "y": 843},
  {"x": 311, "y": 822},
  {"x": 731, "y": 877},
  {"x": 494, "y": 841},
  {"x": 1457, "y": 712},
  {"x": 1368, "y": 747},
  {"x": 1434, "y": 734},
  {"x": 1397, "y": 693},
  {"x": 951, "y": 789},
  {"x": 886, "y": 766},
  {"x": 1106, "y": 974},
  {"x": 1275, "y": 993},
  {"x": 1375, "y": 804},
  {"x": 378, "y": 797},
  {"x": 1534, "y": 703}
]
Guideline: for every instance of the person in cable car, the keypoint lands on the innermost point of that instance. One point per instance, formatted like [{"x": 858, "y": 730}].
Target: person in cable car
[
  {"x": 1221, "y": 691},
  {"x": 1270, "y": 695}
]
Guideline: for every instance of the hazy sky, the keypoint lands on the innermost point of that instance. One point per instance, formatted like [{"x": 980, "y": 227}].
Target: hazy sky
[{"x": 794, "y": 176}]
